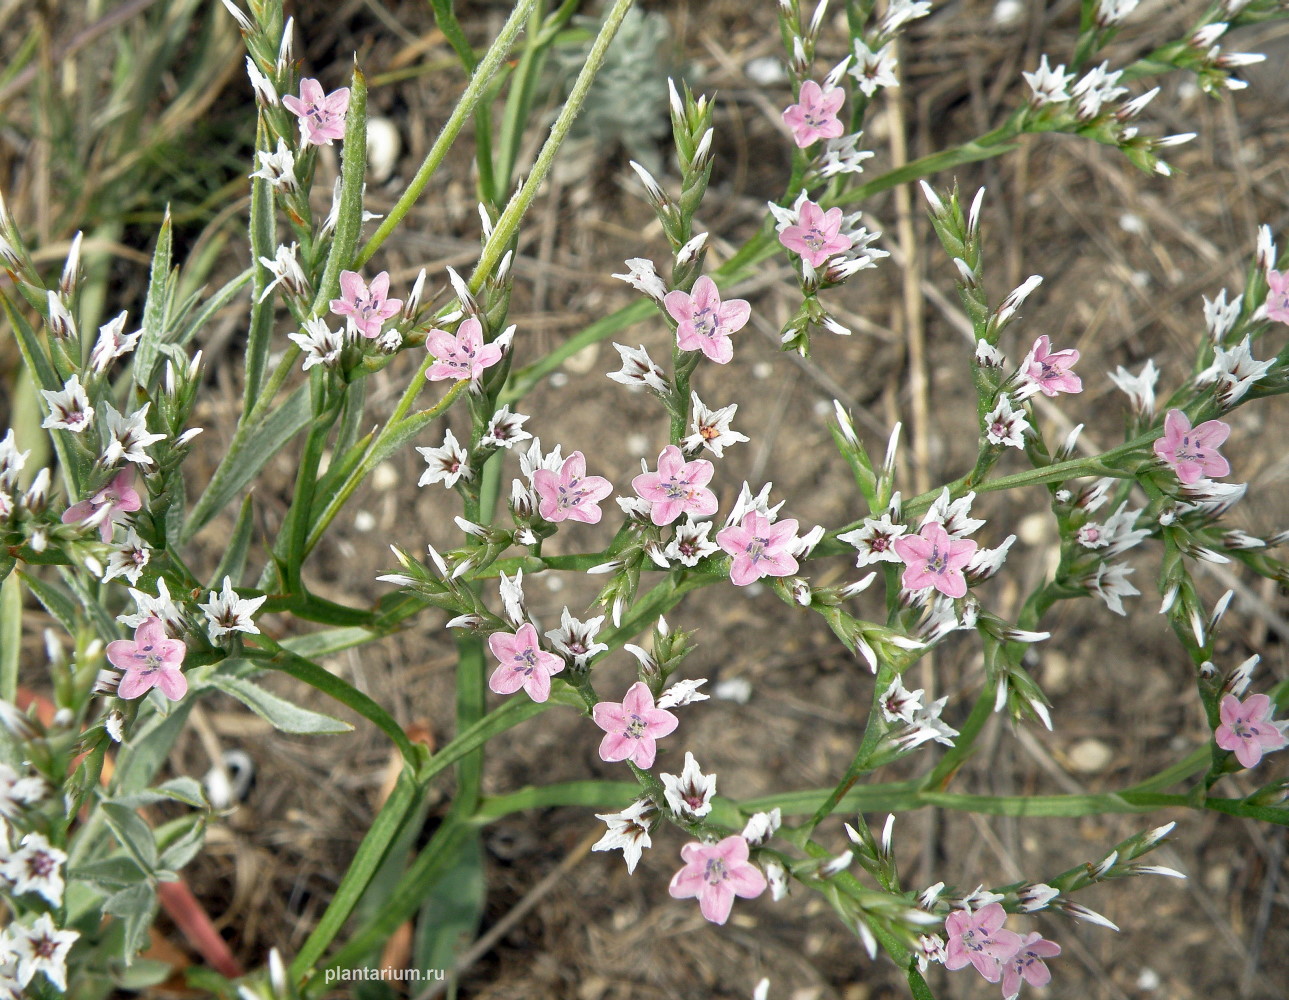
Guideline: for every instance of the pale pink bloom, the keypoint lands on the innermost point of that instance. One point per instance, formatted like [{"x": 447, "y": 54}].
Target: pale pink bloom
[
  {"x": 118, "y": 497},
  {"x": 815, "y": 116},
  {"x": 570, "y": 493},
  {"x": 367, "y": 306},
  {"x": 979, "y": 939},
  {"x": 678, "y": 487},
  {"x": 1028, "y": 964},
  {"x": 933, "y": 559},
  {"x": 1049, "y": 370},
  {"x": 1277, "y": 304},
  {"x": 817, "y": 234},
  {"x": 705, "y": 323},
  {"x": 149, "y": 660},
  {"x": 322, "y": 116},
  {"x": 463, "y": 355},
  {"x": 1191, "y": 452},
  {"x": 524, "y": 664},
  {"x": 716, "y": 873},
  {"x": 633, "y": 727},
  {"x": 1247, "y": 728},
  {"x": 759, "y": 548}
]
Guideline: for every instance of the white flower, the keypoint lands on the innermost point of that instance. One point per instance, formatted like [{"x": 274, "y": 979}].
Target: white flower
[
  {"x": 690, "y": 544},
  {"x": 926, "y": 724},
  {"x": 227, "y": 613},
  {"x": 762, "y": 826},
  {"x": 11, "y": 461},
  {"x": 321, "y": 344},
  {"x": 1220, "y": 317},
  {"x": 447, "y": 463},
  {"x": 62, "y": 326},
  {"x": 874, "y": 70},
  {"x": 1097, "y": 88},
  {"x": 711, "y": 428},
  {"x": 1049, "y": 86},
  {"x": 643, "y": 277},
  {"x": 874, "y": 539},
  {"x": 639, "y": 370},
  {"x": 953, "y": 515},
  {"x": 1110, "y": 583},
  {"x": 128, "y": 558},
  {"x": 1004, "y": 425},
  {"x": 746, "y": 503},
  {"x": 1235, "y": 371},
  {"x": 683, "y": 693},
  {"x": 986, "y": 562},
  {"x": 1119, "y": 533},
  {"x": 265, "y": 92},
  {"x": 689, "y": 795},
  {"x": 628, "y": 831},
  {"x": 1139, "y": 388},
  {"x": 160, "y": 606},
  {"x": 127, "y": 436},
  {"x": 112, "y": 343},
  {"x": 575, "y": 640},
  {"x": 286, "y": 272},
  {"x": 900, "y": 12},
  {"x": 36, "y": 867},
  {"x": 842, "y": 156},
  {"x": 505, "y": 429},
  {"x": 512, "y": 598},
  {"x": 1113, "y": 11},
  {"x": 70, "y": 409},
  {"x": 900, "y": 704},
  {"x": 42, "y": 947},
  {"x": 17, "y": 791}
]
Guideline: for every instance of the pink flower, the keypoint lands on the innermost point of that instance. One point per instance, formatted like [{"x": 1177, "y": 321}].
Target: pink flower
[
  {"x": 1050, "y": 370},
  {"x": 1028, "y": 964},
  {"x": 933, "y": 559},
  {"x": 759, "y": 548},
  {"x": 978, "y": 938},
  {"x": 1278, "y": 295},
  {"x": 705, "y": 322},
  {"x": 149, "y": 660},
  {"x": 817, "y": 234},
  {"x": 570, "y": 493},
  {"x": 633, "y": 728},
  {"x": 1247, "y": 728},
  {"x": 1191, "y": 452},
  {"x": 366, "y": 306},
  {"x": 716, "y": 873},
  {"x": 464, "y": 355},
  {"x": 322, "y": 117},
  {"x": 815, "y": 117},
  {"x": 118, "y": 497},
  {"x": 524, "y": 664},
  {"x": 678, "y": 487}
]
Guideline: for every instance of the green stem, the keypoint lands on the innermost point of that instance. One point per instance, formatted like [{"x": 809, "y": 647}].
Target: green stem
[{"x": 475, "y": 89}]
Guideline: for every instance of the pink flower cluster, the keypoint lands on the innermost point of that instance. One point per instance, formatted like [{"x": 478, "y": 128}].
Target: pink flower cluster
[
  {"x": 1191, "y": 452},
  {"x": 979, "y": 939}
]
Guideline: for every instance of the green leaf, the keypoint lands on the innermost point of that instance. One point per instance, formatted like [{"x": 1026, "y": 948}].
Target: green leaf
[
  {"x": 186, "y": 846},
  {"x": 149, "y": 746},
  {"x": 135, "y": 906},
  {"x": 250, "y": 451},
  {"x": 112, "y": 873},
  {"x": 161, "y": 286},
  {"x": 143, "y": 973},
  {"x": 186, "y": 790},
  {"x": 10, "y": 636},
  {"x": 213, "y": 305},
  {"x": 329, "y": 641},
  {"x": 284, "y": 715},
  {"x": 56, "y": 600},
  {"x": 233, "y": 562},
  {"x": 134, "y": 835},
  {"x": 449, "y": 917}
]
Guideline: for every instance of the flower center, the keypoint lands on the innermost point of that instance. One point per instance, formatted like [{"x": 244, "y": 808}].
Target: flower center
[
  {"x": 715, "y": 871},
  {"x": 636, "y": 727}
]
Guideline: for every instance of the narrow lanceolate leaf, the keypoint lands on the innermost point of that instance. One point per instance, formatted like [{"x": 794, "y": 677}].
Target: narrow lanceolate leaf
[
  {"x": 233, "y": 562},
  {"x": 10, "y": 636},
  {"x": 344, "y": 244},
  {"x": 284, "y": 715},
  {"x": 161, "y": 286},
  {"x": 245, "y": 457}
]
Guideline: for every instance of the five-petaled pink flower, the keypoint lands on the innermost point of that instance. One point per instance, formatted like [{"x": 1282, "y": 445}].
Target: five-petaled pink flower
[
  {"x": 979, "y": 939},
  {"x": 570, "y": 493},
  {"x": 322, "y": 116},
  {"x": 118, "y": 496},
  {"x": 464, "y": 355},
  {"x": 933, "y": 559},
  {"x": 1049, "y": 370},
  {"x": 759, "y": 547},
  {"x": 367, "y": 306},
  {"x": 705, "y": 321},
  {"x": 678, "y": 487},
  {"x": 632, "y": 729},
  {"x": 817, "y": 234},
  {"x": 716, "y": 873},
  {"x": 815, "y": 117},
  {"x": 524, "y": 664},
  {"x": 1247, "y": 728},
  {"x": 149, "y": 660},
  {"x": 1192, "y": 451},
  {"x": 1028, "y": 964},
  {"x": 1278, "y": 295}
]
